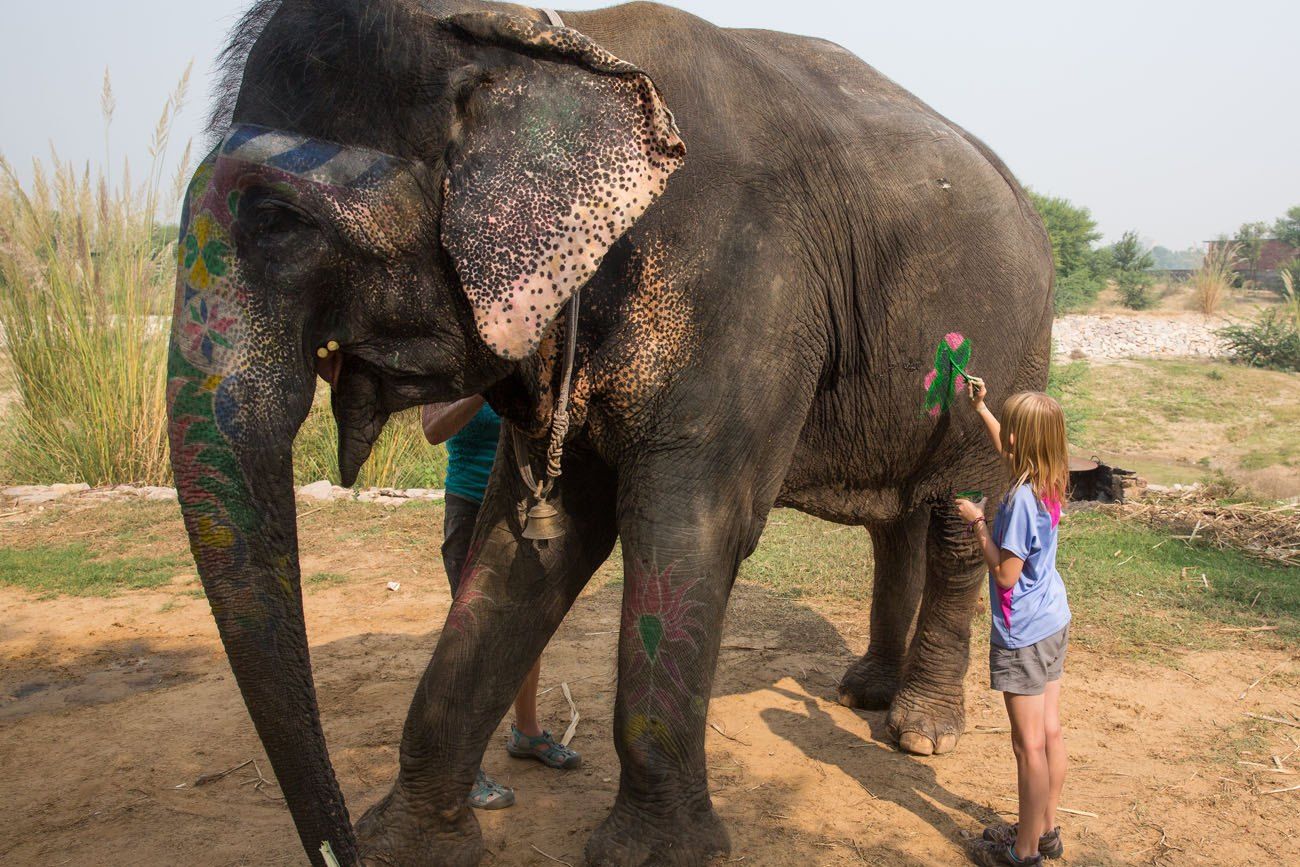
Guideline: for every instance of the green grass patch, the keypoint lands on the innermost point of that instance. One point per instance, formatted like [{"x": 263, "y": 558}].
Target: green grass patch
[
  {"x": 804, "y": 556},
  {"x": 322, "y": 579},
  {"x": 1172, "y": 420},
  {"x": 1146, "y": 589},
  {"x": 1132, "y": 589},
  {"x": 77, "y": 570},
  {"x": 1068, "y": 384}
]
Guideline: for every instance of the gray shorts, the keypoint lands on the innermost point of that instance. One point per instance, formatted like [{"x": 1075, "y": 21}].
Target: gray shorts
[{"x": 1028, "y": 670}]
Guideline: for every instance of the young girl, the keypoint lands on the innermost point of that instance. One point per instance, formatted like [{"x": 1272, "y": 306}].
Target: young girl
[{"x": 1030, "y": 616}]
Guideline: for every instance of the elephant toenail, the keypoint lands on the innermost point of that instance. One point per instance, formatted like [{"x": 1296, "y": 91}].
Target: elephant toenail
[
  {"x": 332, "y": 346},
  {"x": 322, "y": 352},
  {"x": 915, "y": 743}
]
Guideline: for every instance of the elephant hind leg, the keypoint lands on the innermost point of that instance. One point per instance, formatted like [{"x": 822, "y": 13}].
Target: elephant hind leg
[
  {"x": 898, "y": 551},
  {"x": 928, "y": 715}
]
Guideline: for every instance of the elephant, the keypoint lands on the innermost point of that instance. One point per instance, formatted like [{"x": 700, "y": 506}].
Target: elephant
[{"x": 768, "y": 239}]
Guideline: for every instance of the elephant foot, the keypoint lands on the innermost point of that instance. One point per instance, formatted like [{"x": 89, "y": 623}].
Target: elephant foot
[
  {"x": 629, "y": 837},
  {"x": 869, "y": 684},
  {"x": 395, "y": 834},
  {"x": 927, "y": 726}
]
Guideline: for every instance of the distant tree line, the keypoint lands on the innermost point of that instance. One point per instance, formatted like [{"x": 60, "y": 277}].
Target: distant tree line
[{"x": 1083, "y": 269}]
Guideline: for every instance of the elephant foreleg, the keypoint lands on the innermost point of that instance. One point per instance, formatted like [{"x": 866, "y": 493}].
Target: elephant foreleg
[
  {"x": 898, "y": 550},
  {"x": 673, "y": 604},
  {"x": 929, "y": 715},
  {"x": 512, "y": 596}
]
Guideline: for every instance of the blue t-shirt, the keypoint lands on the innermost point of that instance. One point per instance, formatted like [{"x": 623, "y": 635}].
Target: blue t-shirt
[
  {"x": 1035, "y": 607},
  {"x": 471, "y": 452}
]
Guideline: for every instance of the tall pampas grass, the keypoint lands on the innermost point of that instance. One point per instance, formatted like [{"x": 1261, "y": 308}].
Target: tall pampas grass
[
  {"x": 86, "y": 275},
  {"x": 1212, "y": 281},
  {"x": 87, "y": 272}
]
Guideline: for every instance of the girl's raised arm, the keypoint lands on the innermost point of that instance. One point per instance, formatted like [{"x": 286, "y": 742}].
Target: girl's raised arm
[{"x": 978, "y": 390}]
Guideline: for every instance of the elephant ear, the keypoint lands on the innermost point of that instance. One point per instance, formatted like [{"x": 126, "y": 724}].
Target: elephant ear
[{"x": 554, "y": 154}]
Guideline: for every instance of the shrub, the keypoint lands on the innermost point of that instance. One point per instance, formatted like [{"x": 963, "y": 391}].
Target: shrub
[
  {"x": 1077, "y": 291},
  {"x": 1135, "y": 290},
  {"x": 84, "y": 290},
  {"x": 1211, "y": 282},
  {"x": 1272, "y": 340}
]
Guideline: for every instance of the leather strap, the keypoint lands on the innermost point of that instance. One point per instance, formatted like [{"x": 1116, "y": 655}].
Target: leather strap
[{"x": 553, "y": 17}]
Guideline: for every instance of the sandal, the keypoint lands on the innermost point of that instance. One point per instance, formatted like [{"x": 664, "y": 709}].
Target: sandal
[
  {"x": 488, "y": 794},
  {"x": 987, "y": 853},
  {"x": 544, "y": 748},
  {"x": 1049, "y": 845}
]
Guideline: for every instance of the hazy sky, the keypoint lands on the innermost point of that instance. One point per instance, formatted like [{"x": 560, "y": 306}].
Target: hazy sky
[{"x": 1178, "y": 118}]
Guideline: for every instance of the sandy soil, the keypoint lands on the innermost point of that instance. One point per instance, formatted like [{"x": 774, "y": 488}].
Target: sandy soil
[{"x": 111, "y": 709}]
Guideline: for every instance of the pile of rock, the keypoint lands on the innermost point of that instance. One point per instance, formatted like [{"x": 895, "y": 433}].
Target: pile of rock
[
  {"x": 325, "y": 491},
  {"x": 1104, "y": 336},
  {"x": 39, "y": 495}
]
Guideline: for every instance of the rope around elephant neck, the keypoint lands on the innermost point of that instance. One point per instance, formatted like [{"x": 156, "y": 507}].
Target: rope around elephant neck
[{"x": 559, "y": 418}]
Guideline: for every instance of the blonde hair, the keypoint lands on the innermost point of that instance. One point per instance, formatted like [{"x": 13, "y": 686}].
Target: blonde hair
[{"x": 1040, "y": 453}]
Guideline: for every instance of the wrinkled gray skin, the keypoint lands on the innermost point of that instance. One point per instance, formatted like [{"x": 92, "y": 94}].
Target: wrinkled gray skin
[{"x": 759, "y": 338}]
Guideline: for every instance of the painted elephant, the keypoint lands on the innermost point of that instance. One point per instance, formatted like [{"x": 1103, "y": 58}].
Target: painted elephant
[{"x": 405, "y": 196}]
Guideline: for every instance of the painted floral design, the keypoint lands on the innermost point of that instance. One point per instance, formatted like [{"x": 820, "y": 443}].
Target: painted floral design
[
  {"x": 463, "y": 616},
  {"x": 948, "y": 378},
  {"x": 206, "y": 324},
  {"x": 203, "y": 252},
  {"x": 659, "y": 622}
]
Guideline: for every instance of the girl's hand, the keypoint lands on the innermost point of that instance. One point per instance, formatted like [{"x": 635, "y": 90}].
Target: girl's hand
[
  {"x": 975, "y": 386},
  {"x": 970, "y": 512}
]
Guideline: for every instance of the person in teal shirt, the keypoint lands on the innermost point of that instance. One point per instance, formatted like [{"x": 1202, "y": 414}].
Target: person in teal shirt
[{"x": 471, "y": 429}]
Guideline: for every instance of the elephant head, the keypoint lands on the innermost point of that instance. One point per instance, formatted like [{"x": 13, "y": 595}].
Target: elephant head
[{"x": 525, "y": 152}]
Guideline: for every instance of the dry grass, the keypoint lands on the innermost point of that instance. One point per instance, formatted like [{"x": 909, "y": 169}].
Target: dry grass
[
  {"x": 1212, "y": 282},
  {"x": 1292, "y": 298},
  {"x": 1265, "y": 532},
  {"x": 87, "y": 268},
  {"x": 85, "y": 279}
]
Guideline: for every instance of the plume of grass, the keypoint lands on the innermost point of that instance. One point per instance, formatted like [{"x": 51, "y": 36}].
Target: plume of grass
[
  {"x": 1211, "y": 282},
  {"x": 1291, "y": 297},
  {"x": 85, "y": 286}
]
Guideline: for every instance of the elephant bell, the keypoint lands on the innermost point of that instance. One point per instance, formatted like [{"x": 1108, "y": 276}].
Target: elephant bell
[{"x": 542, "y": 523}]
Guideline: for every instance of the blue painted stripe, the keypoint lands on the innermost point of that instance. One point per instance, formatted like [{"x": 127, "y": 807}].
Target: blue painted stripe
[
  {"x": 379, "y": 169},
  {"x": 309, "y": 155},
  {"x": 241, "y": 136}
]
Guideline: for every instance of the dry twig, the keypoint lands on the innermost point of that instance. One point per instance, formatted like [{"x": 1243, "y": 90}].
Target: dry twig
[
  {"x": 574, "y": 716},
  {"x": 1260, "y": 678},
  {"x": 212, "y": 778},
  {"x": 1275, "y": 719},
  {"x": 549, "y": 857},
  {"x": 714, "y": 726}
]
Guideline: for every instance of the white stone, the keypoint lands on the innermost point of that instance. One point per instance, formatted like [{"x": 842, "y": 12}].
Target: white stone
[{"x": 321, "y": 490}]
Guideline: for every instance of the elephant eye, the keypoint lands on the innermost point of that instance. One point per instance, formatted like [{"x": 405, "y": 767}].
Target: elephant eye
[{"x": 272, "y": 215}]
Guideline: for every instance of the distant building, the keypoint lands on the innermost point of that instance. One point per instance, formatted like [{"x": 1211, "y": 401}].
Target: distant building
[{"x": 1273, "y": 254}]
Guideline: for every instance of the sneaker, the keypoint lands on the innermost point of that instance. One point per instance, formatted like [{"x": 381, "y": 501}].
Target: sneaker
[
  {"x": 987, "y": 853},
  {"x": 1049, "y": 845},
  {"x": 544, "y": 748},
  {"x": 488, "y": 794}
]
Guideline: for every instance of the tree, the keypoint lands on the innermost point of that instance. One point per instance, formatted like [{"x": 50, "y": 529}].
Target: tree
[
  {"x": 1080, "y": 269},
  {"x": 1129, "y": 253},
  {"x": 1287, "y": 228},
  {"x": 1132, "y": 261},
  {"x": 1251, "y": 238},
  {"x": 1072, "y": 230}
]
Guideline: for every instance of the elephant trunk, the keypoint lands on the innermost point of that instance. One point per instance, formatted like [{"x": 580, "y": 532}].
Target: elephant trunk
[{"x": 232, "y": 459}]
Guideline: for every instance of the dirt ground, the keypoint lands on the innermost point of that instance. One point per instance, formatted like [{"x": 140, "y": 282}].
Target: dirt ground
[{"x": 111, "y": 709}]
